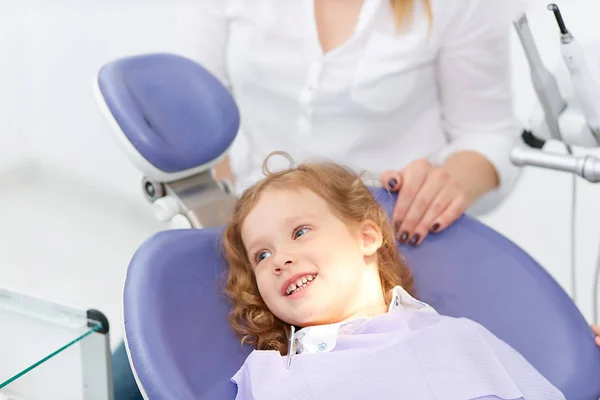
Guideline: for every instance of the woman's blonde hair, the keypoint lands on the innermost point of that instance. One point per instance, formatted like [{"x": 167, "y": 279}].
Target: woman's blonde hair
[
  {"x": 403, "y": 10},
  {"x": 349, "y": 199}
]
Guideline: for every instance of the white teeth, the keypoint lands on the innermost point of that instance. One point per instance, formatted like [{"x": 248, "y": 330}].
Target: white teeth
[{"x": 300, "y": 284}]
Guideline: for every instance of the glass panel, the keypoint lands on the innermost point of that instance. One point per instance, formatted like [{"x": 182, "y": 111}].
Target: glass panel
[{"x": 34, "y": 333}]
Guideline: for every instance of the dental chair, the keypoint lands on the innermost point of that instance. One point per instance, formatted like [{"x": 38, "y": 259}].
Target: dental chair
[{"x": 175, "y": 120}]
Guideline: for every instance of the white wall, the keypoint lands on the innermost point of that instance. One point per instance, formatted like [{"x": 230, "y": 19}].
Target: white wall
[
  {"x": 60, "y": 46},
  {"x": 11, "y": 46},
  {"x": 51, "y": 51}
]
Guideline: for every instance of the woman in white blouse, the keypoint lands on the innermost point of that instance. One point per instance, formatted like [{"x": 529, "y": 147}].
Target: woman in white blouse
[{"x": 416, "y": 92}]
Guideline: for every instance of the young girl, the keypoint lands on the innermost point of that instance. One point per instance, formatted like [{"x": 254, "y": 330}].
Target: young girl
[{"x": 318, "y": 287}]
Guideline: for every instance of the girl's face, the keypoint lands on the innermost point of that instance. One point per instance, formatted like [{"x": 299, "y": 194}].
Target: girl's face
[{"x": 310, "y": 268}]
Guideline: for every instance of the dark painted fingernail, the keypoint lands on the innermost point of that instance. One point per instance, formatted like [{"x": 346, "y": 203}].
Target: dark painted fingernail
[
  {"x": 397, "y": 225},
  {"x": 435, "y": 227},
  {"x": 404, "y": 237},
  {"x": 392, "y": 183},
  {"x": 415, "y": 239}
]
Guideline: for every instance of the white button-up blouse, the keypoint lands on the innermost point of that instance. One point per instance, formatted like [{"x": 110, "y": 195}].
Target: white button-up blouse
[{"x": 381, "y": 100}]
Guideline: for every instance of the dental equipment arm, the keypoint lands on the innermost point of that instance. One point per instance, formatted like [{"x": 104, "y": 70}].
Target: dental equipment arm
[
  {"x": 544, "y": 83},
  {"x": 554, "y": 116},
  {"x": 586, "y": 88},
  {"x": 587, "y": 167},
  {"x": 574, "y": 119}
]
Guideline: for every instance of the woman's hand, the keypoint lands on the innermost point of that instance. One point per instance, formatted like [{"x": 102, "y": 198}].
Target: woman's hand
[
  {"x": 596, "y": 330},
  {"x": 429, "y": 200}
]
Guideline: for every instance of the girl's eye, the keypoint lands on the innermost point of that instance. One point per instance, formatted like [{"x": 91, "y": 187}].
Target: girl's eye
[
  {"x": 261, "y": 255},
  {"x": 299, "y": 232}
]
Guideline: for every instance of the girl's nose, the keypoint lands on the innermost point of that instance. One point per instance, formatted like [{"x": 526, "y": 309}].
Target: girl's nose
[{"x": 284, "y": 263}]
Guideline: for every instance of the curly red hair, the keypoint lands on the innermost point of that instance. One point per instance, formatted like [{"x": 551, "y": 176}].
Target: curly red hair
[{"x": 349, "y": 199}]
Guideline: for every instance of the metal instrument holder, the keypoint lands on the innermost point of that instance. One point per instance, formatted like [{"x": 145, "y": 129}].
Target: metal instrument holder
[{"x": 197, "y": 201}]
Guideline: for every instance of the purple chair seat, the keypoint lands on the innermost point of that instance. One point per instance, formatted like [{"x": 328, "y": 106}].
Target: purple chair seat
[{"x": 181, "y": 346}]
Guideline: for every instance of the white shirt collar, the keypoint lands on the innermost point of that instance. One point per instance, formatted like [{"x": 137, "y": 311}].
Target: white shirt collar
[{"x": 323, "y": 338}]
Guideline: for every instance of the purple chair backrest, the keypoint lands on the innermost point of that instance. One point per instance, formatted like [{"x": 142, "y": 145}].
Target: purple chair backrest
[{"x": 182, "y": 347}]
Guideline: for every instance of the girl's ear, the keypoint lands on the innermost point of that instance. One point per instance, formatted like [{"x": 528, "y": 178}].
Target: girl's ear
[{"x": 371, "y": 238}]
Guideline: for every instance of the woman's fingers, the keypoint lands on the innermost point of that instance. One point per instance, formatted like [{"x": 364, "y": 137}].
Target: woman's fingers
[
  {"x": 391, "y": 180},
  {"x": 429, "y": 200},
  {"x": 413, "y": 178},
  {"x": 429, "y": 222},
  {"x": 412, "y": 229},
  {"x": 453, "y": 212}
]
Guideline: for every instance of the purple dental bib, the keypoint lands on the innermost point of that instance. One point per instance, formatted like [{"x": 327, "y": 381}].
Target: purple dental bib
[{"x": 404, "y": 355}]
